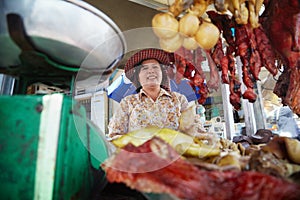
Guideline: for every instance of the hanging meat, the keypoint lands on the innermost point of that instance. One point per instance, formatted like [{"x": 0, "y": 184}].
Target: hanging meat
[
  {"x": 241, "y": 44},
  {"x": 270, "y": 40},
  {"x": 224, "y": 69},
  {"x": 225, "y": 61},
  {"x": 234, "y": 84},
  {"x": 188, "y": 65},
  {"x": 180, "y": 63},
  {"x": 245, "y": 52},
  {"x": 281, "y": 22},
  {"x": 267, "y": 55},
  {"x": 217, "y": 53},
  {"x": 214, "y": 80}
]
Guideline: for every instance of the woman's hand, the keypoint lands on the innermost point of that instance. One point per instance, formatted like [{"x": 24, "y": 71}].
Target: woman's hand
[{"x": 113, "y": 136}]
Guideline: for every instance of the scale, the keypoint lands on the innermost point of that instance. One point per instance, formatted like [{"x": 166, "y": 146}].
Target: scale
[{"x": 49, "y": 147}]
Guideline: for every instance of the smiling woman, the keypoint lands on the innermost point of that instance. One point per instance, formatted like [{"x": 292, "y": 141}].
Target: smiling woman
[
  {"x": 154, "y": 104},
  {"x": 150, "y": 75}
]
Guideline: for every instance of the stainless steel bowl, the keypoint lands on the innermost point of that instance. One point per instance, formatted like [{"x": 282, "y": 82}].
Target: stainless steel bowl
[{"x": 70, "y": 32}]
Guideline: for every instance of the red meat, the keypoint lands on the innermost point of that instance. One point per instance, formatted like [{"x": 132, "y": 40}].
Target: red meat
[{"x": 155, "y": 167}]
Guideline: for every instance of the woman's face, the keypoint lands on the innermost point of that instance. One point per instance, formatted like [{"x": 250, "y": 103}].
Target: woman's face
[{"x": 150, "y": 74}]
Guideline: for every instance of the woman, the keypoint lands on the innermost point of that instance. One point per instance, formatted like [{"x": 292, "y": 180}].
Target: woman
[{"x": 154, "y": 104}]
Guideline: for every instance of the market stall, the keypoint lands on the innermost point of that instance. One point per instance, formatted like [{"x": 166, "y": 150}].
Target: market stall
[
  {"x": 63, "y": 56},
  {"x": 243, "y": 39}
]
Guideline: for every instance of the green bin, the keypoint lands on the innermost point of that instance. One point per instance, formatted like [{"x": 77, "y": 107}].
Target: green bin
[{"x": 49, "y": 149}]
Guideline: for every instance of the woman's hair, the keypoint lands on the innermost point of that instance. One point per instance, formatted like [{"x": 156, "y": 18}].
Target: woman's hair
[{"x": 137, "y": 83}]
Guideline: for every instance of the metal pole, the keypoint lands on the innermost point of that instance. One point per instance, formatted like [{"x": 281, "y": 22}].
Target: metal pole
[
  {"x": 228, "y": 112},
  {"x": 6, "y": 84},
  {"x": 260, "y": 117}
]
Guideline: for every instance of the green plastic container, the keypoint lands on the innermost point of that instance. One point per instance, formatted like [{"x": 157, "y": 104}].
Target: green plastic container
[{"x": 49, "y": 149}]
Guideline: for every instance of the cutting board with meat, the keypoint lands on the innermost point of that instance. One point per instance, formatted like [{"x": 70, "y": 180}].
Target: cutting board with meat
[{"x": 221, "y": 170}]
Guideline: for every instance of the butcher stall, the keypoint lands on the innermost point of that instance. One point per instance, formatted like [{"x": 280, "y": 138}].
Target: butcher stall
[
  {"x": 59, "y": 57},
  {"x": 245, "y": 44}
]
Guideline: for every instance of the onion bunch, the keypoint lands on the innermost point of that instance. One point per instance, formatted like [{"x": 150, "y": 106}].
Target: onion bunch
[{"x": 190, "y": 30}]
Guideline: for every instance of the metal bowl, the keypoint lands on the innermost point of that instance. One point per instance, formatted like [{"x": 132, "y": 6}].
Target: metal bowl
[{"x": 69, "y": 32}]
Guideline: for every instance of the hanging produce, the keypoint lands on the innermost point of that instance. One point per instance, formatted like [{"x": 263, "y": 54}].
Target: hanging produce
[
  {"x": 165, "y": 25},
  {"x": 189, "y": 43},
  {"x": 232, "y": 30},
  {"x": 207, "y": 35},
  {"x": 189, "y": 24},
  {"x": 171, "y": 44}
]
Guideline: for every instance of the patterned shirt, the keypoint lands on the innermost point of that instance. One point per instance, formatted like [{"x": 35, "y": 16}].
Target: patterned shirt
[{"x": 139, "y": 110}]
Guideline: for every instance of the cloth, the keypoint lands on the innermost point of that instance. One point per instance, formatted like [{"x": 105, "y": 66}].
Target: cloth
[
  {"x": 287, "y": 125},
  {"x": 139, "y": 111}
]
